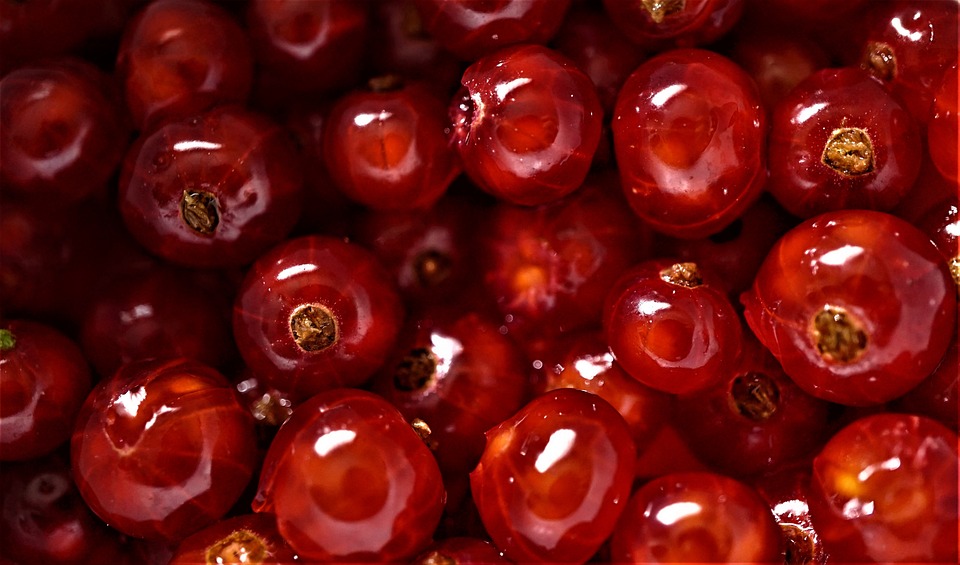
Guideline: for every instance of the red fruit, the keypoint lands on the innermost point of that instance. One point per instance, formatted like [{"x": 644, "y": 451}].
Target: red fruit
[
  {"x": 471, "y": 30},
  {"x": 943, "y": 124},
  {"x": 937, "y": 395},
  {"x": 306, "y": 47},
  {"x": 181, "y": 57},
  {"x": 909, "y": 45},
  {"x": 671, "y": 326},
  {"x": 349, "y": 480},
  {"x": 696, "y": 518},
  {"x": 460, "y": 551},
  {"x": 658, "y": 24},
  {"x": 856, "y": 305},
  {"x": 316, "y": 313},
  {"x": 63, "y": 135},
  {"x": 387, "y": 148},
  {"x": 248, "y": 538},
  {"x": 459, "y": 375},
  {"x": 554, "y": 478},
  {"x": 885, "y": 489},
  {"x": 212, "y": 191},
  {"x": 549, "y": 268},
  {"x": 840, "y": 141},
  {"x": 689, "y": 135},
  {"x": 163, "y": 448},
  {"x": 44, "y": 380},
  {"x": 788, "y": 494},
  {"x": 44, "y": 520},
  {"x": 526, "y": 124}
]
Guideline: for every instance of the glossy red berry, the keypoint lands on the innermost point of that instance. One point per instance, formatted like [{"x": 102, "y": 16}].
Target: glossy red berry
[
  {"x": 885, "y": 489},
  {"x": 943, "y": 125},
  {"x": 671, "y": 326},
  {"x": 350, "y": 480},
  {"x": 247, "y": 538},
  {"x": 787, "y": 491},
  {"x": 63, "y": 135},
  {"x": 459, "y": 375},
  {"x": 44, "y": 380},
  {"x": 856, "y": 305},
  {"x": 471, "y": 30},
  {"x": 755, "y": 420},
  {"x": 387, "y": 148},
  {"x": 657, "y": 24},
  {"x": 159, "y": 312},
  {"x": 689, "y": 132},
  {"x": 839, "y": 141},
  {"x": 554, "y": 478},
  {"x": 163, "y": 448},
  {"x": 908, "y": 46},
  {"x": 460, "y": 551},
  {"x": 526, "y": 124},
  {"x": 215, "y": 190},
  {"x": 44, "y": 520},
  {"x": 316, "y": 313},
  {"x": 696, "y": 518},
  {"x": 549, "y": 268},
  {"x": 937, "y": 395},
  {"x": 306, "y": 47},
  {"x": 181, "y": 57}
]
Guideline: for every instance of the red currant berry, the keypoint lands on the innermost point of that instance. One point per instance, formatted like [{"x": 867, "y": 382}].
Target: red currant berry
[
  {"x": 689, "y": 135},
  {"x": 163, "y": 448},
  {"x": 349, "y": 480},
  {"x": 839, "y": 141},
  {"x": 526, "y": 123},
  {"x": 181, "y": 57},
  {"x": 473, "y": 29},
  {"x": 755, "y": 419},
  {"x": 554, "y": 478},
  {"x": 62, "y": 136},
  {"x": 943, "y": 124},
  {"x": 316, "y": 313},
  {"x": 658, "y": 24},
  {"x": 44, "y": 520},
  {"x": 305, "y": 47},
  {"x": 460, "y": 376},
  {"x": 696, "y": 518},
  {"x": 937, "y": 395},
  {"x": 671, "y": 326},
  {"x": 550, "y": 268},
  {"x": 908, "y": 46},
  {"x": 787, "y": 491},
  {"x": 248, "y": 538},
  {"x": 44, "y": 380},
  {"x": 885, "y": 489},
  {"x": 856, "y": 305},
  {"x": 160, "y": 312},
  {"x": 387, "y": 148},
  {"x": 215, "y": 190}
]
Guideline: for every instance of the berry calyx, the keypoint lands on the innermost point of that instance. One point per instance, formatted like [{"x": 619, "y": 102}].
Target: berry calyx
[
  {"x": 199, "y": 211},
  {"x": 849, "y": 151},
  {"x": 314, "y": 327},
  {"x": 839, "y": 337}
]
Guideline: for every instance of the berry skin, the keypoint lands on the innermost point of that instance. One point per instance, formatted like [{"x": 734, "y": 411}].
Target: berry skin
[
  {"x": 554, "y": 478},
  {"x": 526, "y": 124},
  {"x": 350, "y": 480},
  {"x": 856, "y": 305}
]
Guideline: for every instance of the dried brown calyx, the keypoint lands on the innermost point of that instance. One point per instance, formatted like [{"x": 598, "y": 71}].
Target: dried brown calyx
[
  {"x": 436, "y": 558},
  {"x": 800, "y": 546},
  {"x": 431, "y": 267},
  {"x": 241, "y": 546},
  {"x": 879, "y": 60},
  {"x": 849, "y": 151},
  {"x": 954, "y": 267},
  {"x": 385, "y": 83},
  {"x": 200, "y": 211},
  {"x": 415, "y": 370},
  {"x": 838, "y": 336},
  {"x": 660, "y": 9},
  {"x": 682, "y": 274},
  {"x": 423, "y": 430},
  {"x": 314, "y": 328},
  {"x": 754, "y": 396}
]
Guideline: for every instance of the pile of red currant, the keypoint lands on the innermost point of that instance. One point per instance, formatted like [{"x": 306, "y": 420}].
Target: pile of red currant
[{"x": 478, "y": 281}]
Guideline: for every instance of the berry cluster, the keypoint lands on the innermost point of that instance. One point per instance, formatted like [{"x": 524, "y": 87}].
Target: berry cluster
[{"x": 478, "y": 281}]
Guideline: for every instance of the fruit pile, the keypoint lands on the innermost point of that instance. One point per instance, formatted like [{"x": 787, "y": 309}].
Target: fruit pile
[{"x": 478, "y": 281}]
